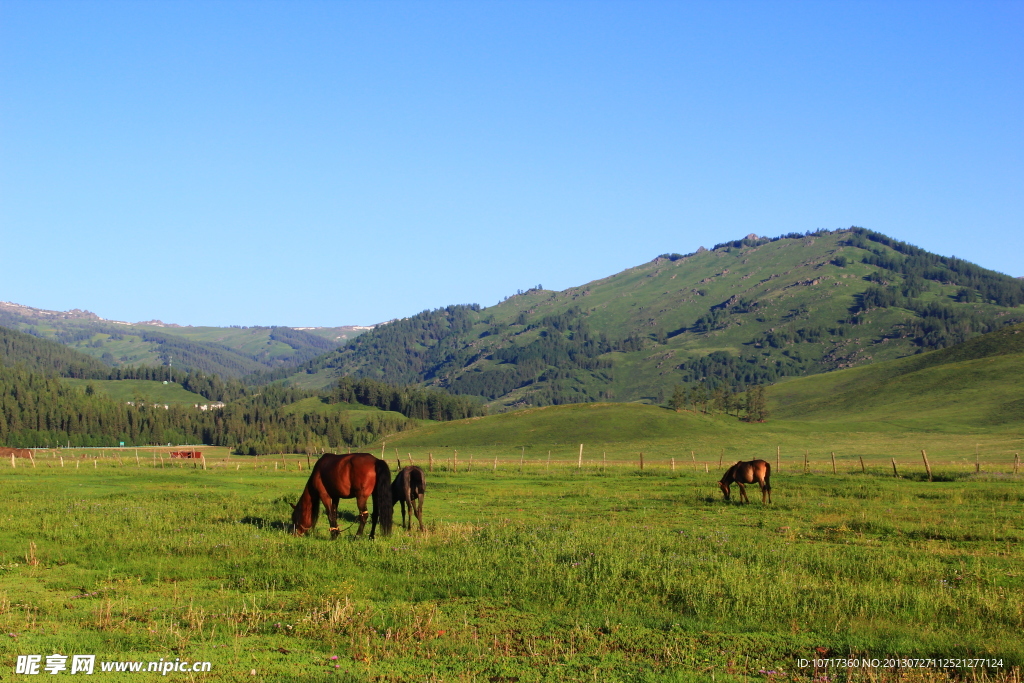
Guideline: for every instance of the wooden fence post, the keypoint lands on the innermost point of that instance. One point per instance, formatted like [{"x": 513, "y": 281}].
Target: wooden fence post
[
  {"x": 720, "y": 457},
  {"x": 927, "y": 467},
  {"x": 430, "y": 457},
  {"x": 673, "y": 464},
  {"x": 579, "y": 463},
  {"x": 977, "y": 459},
  {"x": 862, "y": 468},
  {"x": 694, "y": 459},
  {"x": 894, "y": 472},
  {"x": 470, "y": 468},
  {"x": 1016, "y": 462},
  {"x": 833, "y": 462},
  {"x": 641, "y": 461},
  {"x": 705, "y": 468},
  {"x": 456, "y": 462},
  {"x": 13, "y": 466},
  {"x": 495, "y": 469}
]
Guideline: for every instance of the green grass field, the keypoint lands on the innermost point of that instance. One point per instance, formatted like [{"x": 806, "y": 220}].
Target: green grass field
[{"x": 533, "y": 573}]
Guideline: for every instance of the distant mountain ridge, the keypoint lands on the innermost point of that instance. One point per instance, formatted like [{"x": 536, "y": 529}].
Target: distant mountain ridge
[
  {"x": 231, "y": 352},
  {"x": 749, "y": 311}
]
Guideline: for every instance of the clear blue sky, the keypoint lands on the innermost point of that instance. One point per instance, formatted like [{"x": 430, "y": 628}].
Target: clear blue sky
[{"x": 327, "y": 163}]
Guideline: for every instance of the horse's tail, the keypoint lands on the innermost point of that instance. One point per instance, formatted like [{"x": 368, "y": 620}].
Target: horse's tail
[
  {"x": 767, "y": 476},
  {"x": 382, "y": 503},
  {"x": 418, "y": 480}
]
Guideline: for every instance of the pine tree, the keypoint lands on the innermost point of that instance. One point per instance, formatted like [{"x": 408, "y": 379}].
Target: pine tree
[{"x": 678, "y": 399}]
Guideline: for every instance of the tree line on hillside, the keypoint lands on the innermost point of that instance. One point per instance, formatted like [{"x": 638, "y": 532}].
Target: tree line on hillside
[
  {"x": 913, "y": 262},
  {"x": 413, "y": 402},
  {"x": 750, "y": 406},
  {"x": 37, "y": 409}
]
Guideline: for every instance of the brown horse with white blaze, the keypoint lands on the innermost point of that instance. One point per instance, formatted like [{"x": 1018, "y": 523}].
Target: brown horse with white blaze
[
  {"x": 355, "y": 475},
  {"x": 747, "y": 473}
]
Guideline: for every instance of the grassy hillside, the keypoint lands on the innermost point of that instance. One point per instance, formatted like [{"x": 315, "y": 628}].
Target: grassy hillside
[
  {"x": 138, "y": 389},
  {"x": 356, "y": 414},
  {"x": 973, "y": 385},
  {"x": 746, "y": 312},
  {"x": 567, "y": 426}
]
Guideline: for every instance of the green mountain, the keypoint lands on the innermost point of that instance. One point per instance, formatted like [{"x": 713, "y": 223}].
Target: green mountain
[
  {"x": 746, "y": 312},
  {"x": 225, "y": 351}
]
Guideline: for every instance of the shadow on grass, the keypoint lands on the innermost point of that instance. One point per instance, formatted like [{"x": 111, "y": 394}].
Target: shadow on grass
[{"x": 261, "y": 523}]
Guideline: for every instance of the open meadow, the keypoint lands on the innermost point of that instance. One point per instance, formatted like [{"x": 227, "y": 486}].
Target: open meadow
[{"x": 530, "y": 570}]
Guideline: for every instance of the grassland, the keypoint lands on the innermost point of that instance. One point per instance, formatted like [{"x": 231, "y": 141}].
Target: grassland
[{"x": 539, "y": 572}]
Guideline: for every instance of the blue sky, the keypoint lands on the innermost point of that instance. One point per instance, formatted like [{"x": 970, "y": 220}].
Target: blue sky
[{"x": 328, "y": 163}]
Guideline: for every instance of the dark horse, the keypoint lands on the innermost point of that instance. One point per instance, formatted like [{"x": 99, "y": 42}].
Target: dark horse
[
  {"x": 356, "y": 475},
  {"x": 747, "y": 473},
  {"x": 408, "y": 489}
]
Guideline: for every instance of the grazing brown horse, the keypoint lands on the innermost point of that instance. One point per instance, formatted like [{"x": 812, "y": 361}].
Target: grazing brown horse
[
  {"x": 747, "y": 473},
  {"x": 408, "y": 489},
  {"x": 356, "y": 475}
]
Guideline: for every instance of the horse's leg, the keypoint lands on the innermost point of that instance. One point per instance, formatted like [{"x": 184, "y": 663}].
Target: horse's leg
[
  {"x": 743, "y": 493},
  {"x": 376, "y": 516},
  {"x": 406, "y": 500},
  {"x": 419, "y": 511},
  {"x": 361, "y": 504},
  {"x": 332, "y": 515}
]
